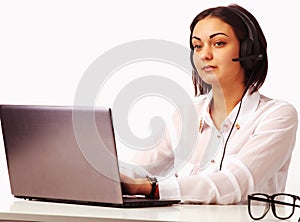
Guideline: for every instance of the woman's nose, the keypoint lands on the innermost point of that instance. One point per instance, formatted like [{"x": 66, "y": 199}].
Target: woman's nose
[{"x": 205, "y": 53}]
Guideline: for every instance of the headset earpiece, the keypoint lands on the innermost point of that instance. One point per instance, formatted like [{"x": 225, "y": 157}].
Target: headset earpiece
[
  {"x": 247, "y": 49},
  {"x": 250, "y": 46}
]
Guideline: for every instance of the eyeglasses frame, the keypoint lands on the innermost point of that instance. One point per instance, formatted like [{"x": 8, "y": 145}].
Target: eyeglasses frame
[{"x": 271, "y": 202}]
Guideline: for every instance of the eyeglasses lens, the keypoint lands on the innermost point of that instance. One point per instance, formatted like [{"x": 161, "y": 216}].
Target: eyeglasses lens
[
  {"x": 260, "y": 207},
  {"x": 282, "y": 210}
]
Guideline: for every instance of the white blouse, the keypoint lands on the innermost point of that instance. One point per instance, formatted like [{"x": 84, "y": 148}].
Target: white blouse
[{"x": 257, "y": 155}]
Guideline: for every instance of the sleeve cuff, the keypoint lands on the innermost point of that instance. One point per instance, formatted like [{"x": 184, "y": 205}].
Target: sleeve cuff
[{"x": 169, "y": 188}]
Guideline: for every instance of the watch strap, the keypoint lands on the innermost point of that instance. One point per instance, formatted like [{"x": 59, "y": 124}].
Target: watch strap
[{"x": 153, "y": 183}]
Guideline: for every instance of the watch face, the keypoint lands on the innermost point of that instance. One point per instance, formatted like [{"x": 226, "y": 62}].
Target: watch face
[{"x": 152, "y": 180}]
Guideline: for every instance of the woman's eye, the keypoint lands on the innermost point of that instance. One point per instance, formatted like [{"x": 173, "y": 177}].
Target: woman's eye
[
  {"x": 220, "y": 44},
  {"x": 197, "y": 47}
]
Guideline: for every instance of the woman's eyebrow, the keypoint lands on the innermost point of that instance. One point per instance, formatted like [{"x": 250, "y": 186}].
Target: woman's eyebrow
[
  {"x": 218, "y": 33},
  {"x": 211, "y": 36},
  {"x": 194, "y": 37}
]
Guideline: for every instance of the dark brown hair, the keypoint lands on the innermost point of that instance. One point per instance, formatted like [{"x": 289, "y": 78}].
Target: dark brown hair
[{"x": 254, "y": 77}]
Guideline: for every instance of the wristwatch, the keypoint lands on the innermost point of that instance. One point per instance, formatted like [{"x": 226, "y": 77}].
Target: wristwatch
[{"x": 153, "y": 183}]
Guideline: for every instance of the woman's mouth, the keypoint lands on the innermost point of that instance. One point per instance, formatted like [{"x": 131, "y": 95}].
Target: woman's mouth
[{"x": 208, "y": 68}]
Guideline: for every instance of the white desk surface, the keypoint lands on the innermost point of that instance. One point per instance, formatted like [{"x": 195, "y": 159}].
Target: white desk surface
[{"x": 32, "y": 211}]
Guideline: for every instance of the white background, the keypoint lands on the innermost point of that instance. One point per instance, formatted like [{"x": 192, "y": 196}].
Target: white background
[{"x": 46, "y": 46}]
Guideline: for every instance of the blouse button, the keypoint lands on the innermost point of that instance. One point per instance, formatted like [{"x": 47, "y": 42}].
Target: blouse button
[{"x": 212, "y": 161}]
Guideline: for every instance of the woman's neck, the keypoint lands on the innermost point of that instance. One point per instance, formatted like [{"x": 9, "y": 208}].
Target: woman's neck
[{"x": 223, "y": 102}]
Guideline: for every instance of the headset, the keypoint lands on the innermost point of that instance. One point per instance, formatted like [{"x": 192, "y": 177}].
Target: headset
[
  {"x": 250, "y": 49},
  {"x": 250, "y": 54}
]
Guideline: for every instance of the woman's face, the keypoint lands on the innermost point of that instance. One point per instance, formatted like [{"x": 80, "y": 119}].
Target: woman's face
[{"x": 215, "y": 45}]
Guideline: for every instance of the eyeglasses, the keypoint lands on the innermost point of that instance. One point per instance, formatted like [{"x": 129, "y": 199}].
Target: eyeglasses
[{"x": 282, "y": 205}]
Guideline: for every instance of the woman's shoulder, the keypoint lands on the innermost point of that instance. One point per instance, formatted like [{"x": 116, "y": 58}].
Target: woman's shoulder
[
  {"x": 279, "y": 102},
  {"x": 200, "y": 101},
  {"x": 283, "y": 106}
]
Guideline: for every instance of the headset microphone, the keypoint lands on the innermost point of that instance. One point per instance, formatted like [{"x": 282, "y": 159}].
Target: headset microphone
[{"x": 253, "y": 57}]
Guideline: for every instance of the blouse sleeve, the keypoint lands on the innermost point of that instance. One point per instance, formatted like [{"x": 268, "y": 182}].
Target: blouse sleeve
[{"x": 157, "y": 160}]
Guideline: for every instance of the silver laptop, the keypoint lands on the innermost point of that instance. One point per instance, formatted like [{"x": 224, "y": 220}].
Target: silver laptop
[{"x": 65, "y": 154}]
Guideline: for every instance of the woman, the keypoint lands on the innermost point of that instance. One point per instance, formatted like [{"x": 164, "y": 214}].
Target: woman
[{"x": 244, "y": 140}]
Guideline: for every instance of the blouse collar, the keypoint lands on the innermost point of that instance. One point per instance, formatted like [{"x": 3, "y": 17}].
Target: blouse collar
[{"x": 249, "y": 105}]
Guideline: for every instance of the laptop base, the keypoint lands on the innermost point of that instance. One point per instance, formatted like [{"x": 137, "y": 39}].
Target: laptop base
[{"x": 128, "y": 202}]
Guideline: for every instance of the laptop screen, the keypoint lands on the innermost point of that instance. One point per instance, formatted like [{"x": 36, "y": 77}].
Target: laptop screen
[{"x": 63, "y": 153}]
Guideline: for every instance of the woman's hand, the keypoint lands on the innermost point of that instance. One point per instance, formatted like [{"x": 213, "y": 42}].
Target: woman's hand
[{"x": 135, "y": 186}]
